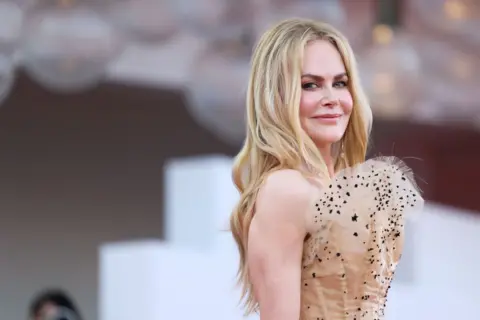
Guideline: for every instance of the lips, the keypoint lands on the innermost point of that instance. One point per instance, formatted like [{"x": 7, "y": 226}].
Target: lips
[{"x": 328, "y": 116}]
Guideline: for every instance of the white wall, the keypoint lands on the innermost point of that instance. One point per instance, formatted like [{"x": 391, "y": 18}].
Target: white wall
[{"x": 445, "y": 265}]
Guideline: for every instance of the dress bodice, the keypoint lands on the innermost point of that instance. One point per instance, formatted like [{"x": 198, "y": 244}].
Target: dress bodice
[{"x": 355, "y": 240}]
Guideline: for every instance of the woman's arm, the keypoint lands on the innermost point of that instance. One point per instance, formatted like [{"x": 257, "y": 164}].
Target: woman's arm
[{"x": 275, "y": 244}]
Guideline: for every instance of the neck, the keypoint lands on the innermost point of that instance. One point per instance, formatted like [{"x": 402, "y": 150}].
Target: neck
[{"x": 326, "y": 153}]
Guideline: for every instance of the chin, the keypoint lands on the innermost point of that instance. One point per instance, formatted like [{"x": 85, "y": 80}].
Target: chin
[{"x": 326, "y": 139}]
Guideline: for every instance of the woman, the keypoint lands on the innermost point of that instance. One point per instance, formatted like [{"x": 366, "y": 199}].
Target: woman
[{"x": 319, "y": 230}]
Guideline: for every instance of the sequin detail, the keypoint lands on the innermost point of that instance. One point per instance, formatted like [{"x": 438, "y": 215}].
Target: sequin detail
[{"x": 356, "y": 240}]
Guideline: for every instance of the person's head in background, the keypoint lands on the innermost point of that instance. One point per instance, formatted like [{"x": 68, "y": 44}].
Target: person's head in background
[
  {"x": 53, "y": 304},
  {"x": 306, "y": 111}
]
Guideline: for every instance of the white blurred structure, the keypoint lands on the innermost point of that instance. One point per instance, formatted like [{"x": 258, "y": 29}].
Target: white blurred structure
[
  {"x": 446, "y": 259},
  {"x": 153, "y": 280},
  {"x": 199, "y": 197},
  {"x": 192, "y": 275}
]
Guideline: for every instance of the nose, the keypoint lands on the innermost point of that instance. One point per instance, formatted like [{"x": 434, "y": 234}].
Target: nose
[{"x": 329, "y": 101}]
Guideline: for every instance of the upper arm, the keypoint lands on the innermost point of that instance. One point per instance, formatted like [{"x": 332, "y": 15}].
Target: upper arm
[{"x": 275, "y": 244}]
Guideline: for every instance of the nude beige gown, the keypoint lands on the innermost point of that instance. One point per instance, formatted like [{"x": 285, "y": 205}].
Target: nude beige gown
[{"x": 355, "y": 240}]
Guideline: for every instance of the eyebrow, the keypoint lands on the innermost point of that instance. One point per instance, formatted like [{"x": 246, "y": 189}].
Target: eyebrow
[{"x": 320, "y": 78}]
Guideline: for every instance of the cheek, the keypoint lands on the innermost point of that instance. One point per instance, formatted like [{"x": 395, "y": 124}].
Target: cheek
[
  {"x": 308, "y": 104},
  {"x": 346, "y": 102}
]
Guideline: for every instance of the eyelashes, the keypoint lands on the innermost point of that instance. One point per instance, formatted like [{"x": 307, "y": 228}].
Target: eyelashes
[
  {"x": 309, "y": 86},
  {"x": 340, "y": 84},
  {"x": 313, "y": 85}
]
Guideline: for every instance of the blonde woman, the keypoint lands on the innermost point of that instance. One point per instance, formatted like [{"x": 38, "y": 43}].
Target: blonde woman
[{"x": 319, "y": 230}]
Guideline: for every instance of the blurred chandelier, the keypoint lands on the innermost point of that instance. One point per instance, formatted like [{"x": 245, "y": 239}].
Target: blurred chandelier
[
  {"x": 217, "y": 86},
  {"x": 390, "y": 69},
  {"x": 453, "y": 80},
  {"x": 271, "y": 11},
  {"x": 11, "y": 19},
  {"x": 455, "y": 17},
  {"x": 67, "y": 46},
  {"x": 213, "y": 19},
  {"x": 217, "y": 89},
  {"x": 143, "y": 21}
]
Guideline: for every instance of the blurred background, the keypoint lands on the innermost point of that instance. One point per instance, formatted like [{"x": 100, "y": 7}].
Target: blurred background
[{"x": 99, "y": 97}]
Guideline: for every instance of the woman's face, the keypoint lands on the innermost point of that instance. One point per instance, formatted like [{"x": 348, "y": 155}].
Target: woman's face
[
  {"x": 48, "y": 311},
  {"x": 326, "y": 102}
]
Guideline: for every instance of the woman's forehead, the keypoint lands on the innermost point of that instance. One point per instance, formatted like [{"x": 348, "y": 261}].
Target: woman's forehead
[{"x": 321, "y": 58}]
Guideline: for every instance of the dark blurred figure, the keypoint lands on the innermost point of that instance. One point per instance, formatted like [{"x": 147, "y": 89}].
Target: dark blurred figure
[{"x": 53, "y": 304}]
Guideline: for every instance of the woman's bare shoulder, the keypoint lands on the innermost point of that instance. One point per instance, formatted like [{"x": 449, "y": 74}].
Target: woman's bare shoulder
[{"x": 285, "y": 196}]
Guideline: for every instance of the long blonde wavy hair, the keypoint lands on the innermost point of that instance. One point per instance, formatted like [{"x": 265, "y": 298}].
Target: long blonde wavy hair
[{"x": 275, "y": 139}]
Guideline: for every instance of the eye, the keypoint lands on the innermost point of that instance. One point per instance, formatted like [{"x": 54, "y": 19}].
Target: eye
[
  {"x": 309, "y": 85},
  {"x": 340, "y": 84}
]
